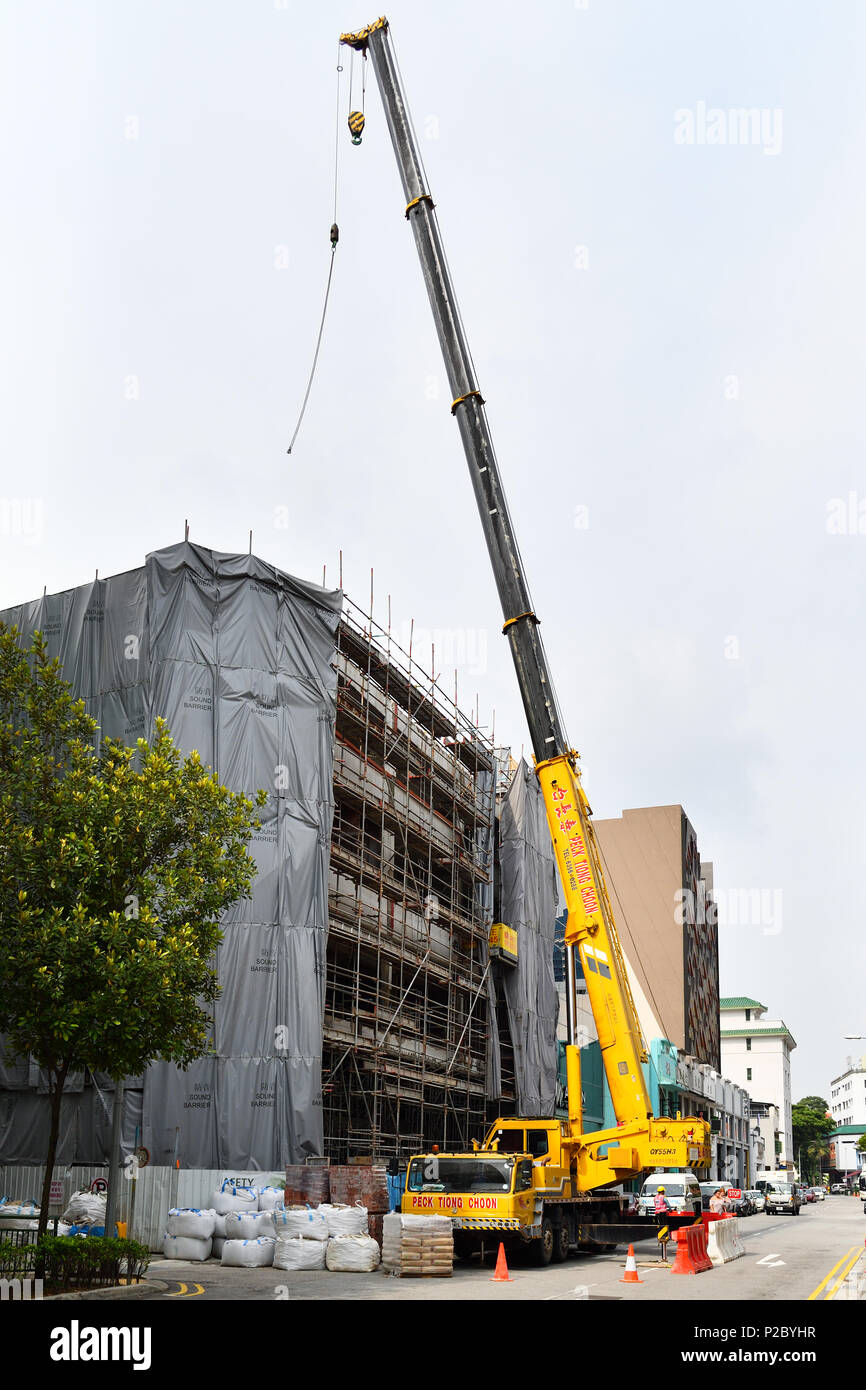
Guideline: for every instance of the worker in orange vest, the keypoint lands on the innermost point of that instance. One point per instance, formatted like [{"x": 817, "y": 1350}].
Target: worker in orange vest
[{"x": 661, "y": 1203}]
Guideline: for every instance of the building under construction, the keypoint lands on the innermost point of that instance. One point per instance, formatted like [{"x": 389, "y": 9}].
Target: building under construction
[
  {"x": 358, "y": 1006},
  {"x": 408, "y": 997}
]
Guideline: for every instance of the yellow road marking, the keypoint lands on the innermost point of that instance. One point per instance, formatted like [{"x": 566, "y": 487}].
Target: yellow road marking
[
  {"x": 181, "y": 1290},
  {"x": 184, "y": 1291},
  {"x": 826, "y": 1281},
  {"x": 844, "y": 1275}
]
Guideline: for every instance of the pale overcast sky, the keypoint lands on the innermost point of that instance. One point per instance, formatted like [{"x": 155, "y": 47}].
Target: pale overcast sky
[{"x": 668, "y": 331}]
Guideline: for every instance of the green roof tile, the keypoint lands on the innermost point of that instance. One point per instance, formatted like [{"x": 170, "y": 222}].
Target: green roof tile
[
  {"x": 739, "y": 1001},
  {"x": 781, "y": 1032}
]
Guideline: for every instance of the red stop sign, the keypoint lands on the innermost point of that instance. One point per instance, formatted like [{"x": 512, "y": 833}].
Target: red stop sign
[{"x": 735, "y": 1192}]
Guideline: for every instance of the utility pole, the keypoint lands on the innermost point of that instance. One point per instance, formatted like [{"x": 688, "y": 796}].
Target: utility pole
[{"x": 113, "y": 1200}]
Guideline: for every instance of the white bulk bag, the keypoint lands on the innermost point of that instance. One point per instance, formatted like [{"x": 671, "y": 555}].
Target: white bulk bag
[
  {"x": 190, "y": 1221},
  {"x": 248, "y": 1254},
  {"x": 297, "y": 1253},
  {"x": 230, "y": 1197},
  {"x": 270, "y": 1198},
  {"x": 219, "y": 1225},
  {"x": 301, "y": 1221},
  {"x": 352, "y": 1254},
  {"x": 26, "y": 1209},
  {"x": 217, "y": 1250},
  {"x": 249, "y": 1225},
  {"x": 186, "y": 1247},
  {"x": 345, "y": 1221},
  {"x": 85, "y": 1209}
]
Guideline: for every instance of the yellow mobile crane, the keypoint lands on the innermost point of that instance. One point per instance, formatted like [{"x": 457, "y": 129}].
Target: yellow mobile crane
[{"x": 541, "y": 1181}]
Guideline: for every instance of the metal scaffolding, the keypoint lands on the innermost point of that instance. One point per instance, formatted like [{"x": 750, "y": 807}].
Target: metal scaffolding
[{"x": 410, "y": 903}]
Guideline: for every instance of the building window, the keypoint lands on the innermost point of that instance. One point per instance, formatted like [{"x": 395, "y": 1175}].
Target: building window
[
  {"x": 748, "y": 1044},
  {"x": 748, "y": 1073},
  {"x": 748, "y": 1015}
]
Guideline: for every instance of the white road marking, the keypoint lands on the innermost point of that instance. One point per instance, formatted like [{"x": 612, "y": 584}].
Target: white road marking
[{"x": 770, "y": 1261}]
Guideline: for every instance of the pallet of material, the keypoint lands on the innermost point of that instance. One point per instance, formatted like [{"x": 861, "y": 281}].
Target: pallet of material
[{"x": 417, "y": 1246}]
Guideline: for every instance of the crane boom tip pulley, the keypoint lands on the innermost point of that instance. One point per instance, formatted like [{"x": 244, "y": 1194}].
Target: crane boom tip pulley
[{"x": 359, "y": 41}]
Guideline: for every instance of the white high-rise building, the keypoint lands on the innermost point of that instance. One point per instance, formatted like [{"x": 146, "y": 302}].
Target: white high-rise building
[
  {"x": 756, "y": 1054},
  {"x": 848, "y": 1093}
]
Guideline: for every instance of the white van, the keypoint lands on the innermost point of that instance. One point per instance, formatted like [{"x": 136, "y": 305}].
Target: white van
[{"x": 681, "y": 1192}]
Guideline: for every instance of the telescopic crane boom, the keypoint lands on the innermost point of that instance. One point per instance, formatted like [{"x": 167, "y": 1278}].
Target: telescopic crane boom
[{"x": 606, "y": 1156}]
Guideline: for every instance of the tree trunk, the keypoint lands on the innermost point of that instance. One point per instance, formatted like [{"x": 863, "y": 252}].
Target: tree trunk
[{"x": 57, "y": 1082}]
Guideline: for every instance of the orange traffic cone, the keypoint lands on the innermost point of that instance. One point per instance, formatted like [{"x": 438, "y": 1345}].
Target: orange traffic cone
[
  {"x": 500, "y": 1274},
  {"x": 631, "y": 1275}
]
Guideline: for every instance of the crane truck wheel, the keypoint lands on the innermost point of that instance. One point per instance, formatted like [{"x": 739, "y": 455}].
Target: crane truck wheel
[
  {"x": 560, "y": 1242},
  {"x": 543, "y": 1248}
]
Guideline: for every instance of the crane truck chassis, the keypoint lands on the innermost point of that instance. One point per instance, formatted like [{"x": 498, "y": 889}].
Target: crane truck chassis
[{"x": 542, "y": 1182}]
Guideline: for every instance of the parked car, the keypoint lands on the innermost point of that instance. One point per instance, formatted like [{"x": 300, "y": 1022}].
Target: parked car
[
  {"x": 756, "y": 1198},
  {"x": 781, "y": 1197},
  {"x": 818, "y": 1194},
  {"x": 837, "y": 1189},
  {"x": 681, "y": 1192}
]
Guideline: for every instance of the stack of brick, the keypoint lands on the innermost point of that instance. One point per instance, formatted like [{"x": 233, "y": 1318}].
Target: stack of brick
[
  {"x": 417, "y": 1246},
  {"x": 352, "y": 1183},
  {"x": 307, "y": 1186}
]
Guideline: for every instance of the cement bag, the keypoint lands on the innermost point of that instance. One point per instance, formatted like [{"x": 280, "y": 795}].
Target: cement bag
[
  {"x": 301, "y": 1221},
  {"x": 190, "y": 1221},
  {"x": 186, "y": 1247},
  {"x": 232, "y": 1198},
  {"x": 345, "y": 1221},
  {"x": 85, "y": 1209},
  {"x": 352, "y": 1254},
  {"x": 249, "y": 1254},
  {"x": 297, "y": 1253},
  {"x": 270, "y": 1198},
  {"x": 249, "y": 1225}
]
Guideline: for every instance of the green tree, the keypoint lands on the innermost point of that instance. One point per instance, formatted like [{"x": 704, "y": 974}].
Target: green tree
[
  {"x": 114, "y": 869},
  {"x": 861, "y": 1142},
  {"x": 811, "y": 1125},
  {"x": 815, "y": 1103}
]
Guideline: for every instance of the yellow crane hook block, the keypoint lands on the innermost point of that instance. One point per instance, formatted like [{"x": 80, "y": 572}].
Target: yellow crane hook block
[{"x": 356, "y": 125}]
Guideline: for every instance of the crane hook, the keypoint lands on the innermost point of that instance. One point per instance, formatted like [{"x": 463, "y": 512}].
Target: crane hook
[
  {"x": 356, "y": 125},
  {"x": 335, "y": 236}
]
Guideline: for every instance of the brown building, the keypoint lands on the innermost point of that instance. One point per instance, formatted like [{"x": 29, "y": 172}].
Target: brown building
[{"x": 662, "y": 903}]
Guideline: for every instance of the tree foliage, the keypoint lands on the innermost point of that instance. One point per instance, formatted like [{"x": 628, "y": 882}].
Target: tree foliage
[
  {"x": 115, "y": 866},
  {"x": 811, "y": 1125}
]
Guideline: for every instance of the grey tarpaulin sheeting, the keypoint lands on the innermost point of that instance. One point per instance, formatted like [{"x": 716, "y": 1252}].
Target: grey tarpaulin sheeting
[
  {"x": 237, "y": 657},
  {"x": 529, "y": 904},
  {"x": 485, "y": 796}
]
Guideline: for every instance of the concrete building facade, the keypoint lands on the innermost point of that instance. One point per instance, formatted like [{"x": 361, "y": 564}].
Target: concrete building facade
[
  {"x": 756, "y": 1053},
  {"x": 848, "y": 1093}
]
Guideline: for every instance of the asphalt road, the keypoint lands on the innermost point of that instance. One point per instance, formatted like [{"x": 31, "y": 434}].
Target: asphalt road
[{"x": 797, "y": 1258}]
